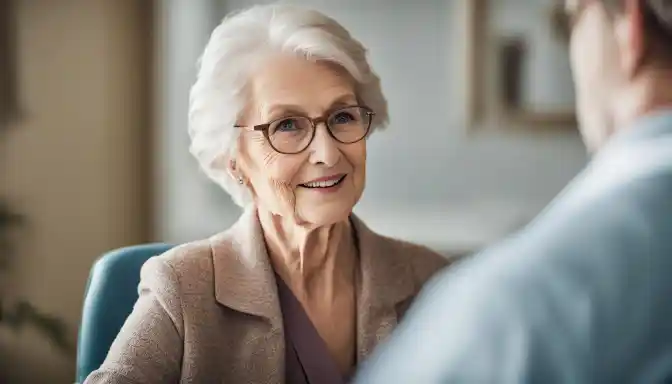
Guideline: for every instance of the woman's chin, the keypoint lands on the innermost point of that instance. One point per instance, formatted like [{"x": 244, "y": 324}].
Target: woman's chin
[{"x": 325, "y": 214}]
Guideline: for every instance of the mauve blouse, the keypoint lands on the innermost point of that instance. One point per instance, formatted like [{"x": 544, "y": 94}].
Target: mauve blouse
[{"x": 307, "y": 359}]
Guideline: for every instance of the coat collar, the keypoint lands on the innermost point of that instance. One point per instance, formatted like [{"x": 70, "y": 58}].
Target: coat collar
[
  {"x": 245, "y": 281},
  {"x": 652, "y": 126}
]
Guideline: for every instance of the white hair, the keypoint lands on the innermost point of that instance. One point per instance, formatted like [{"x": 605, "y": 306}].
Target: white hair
[{"x": 243, "y": 39}]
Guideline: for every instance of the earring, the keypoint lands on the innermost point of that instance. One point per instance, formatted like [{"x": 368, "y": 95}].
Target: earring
[{"x": 240, "y": 180}]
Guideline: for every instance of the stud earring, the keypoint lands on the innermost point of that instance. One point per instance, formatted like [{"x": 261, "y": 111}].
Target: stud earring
[{"x": 240, "y": 180}]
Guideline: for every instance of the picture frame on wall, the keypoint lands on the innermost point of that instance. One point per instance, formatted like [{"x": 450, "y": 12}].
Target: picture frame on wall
[{"x": 517, "y": 63}]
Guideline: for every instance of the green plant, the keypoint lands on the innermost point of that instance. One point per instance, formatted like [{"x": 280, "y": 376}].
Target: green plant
[{"x": 22, "y": 313}]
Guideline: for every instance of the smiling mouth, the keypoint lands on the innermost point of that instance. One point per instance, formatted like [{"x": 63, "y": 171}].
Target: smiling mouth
[{"x": 324, "y": 184}]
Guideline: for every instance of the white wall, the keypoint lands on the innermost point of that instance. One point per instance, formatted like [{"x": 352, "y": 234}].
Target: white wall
[
  {"x": 187, "y": 205},
  {"x": 426, "y": 168}
]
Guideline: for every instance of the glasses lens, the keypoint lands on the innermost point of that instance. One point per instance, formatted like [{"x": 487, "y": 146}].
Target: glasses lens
[
  {"x": 349, "y": 125},
  {"x": 290, "y": 135}
]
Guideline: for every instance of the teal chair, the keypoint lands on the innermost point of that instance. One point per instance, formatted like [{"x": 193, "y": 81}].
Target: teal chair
[{"x": 111, "y": 293}]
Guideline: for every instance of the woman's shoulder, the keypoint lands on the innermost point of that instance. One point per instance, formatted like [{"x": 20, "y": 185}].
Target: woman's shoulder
[
  {"x": 190, "y": 265},
  {"x": 185, "y": 265},
  {"x": 194, "y": 255},
  {"x": 423, "y": 260}
]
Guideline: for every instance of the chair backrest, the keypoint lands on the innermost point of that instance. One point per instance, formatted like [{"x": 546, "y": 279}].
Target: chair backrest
[{"x": 111, "y": 293}]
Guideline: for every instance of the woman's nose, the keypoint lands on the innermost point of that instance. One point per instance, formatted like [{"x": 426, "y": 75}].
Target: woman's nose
[{"x": 324, "y": 148}]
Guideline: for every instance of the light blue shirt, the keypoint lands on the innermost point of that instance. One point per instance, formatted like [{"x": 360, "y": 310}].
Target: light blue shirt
[{"x": 582, "y": 295}]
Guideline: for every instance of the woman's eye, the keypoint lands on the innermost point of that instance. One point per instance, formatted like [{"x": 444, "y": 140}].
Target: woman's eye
[
  {"x": 286, "y": 125},
  {"x": 343, "y": 118}
]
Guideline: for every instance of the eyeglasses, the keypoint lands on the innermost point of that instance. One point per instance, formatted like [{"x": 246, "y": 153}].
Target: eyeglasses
[{"x": 293, "y": 134}]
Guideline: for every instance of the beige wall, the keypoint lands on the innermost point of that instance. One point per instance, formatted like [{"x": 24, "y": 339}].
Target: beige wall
[{"x": 76, "y": 165}]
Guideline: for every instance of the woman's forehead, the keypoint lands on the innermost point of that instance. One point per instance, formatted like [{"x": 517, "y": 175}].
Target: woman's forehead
[{"x": 294, "y": 81}]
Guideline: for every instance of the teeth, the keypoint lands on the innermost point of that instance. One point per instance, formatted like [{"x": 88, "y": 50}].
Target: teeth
[{"x": 323, "y": 184}]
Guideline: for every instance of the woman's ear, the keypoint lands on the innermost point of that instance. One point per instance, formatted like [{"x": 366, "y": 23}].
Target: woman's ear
[{"x": 631, "y": 37}]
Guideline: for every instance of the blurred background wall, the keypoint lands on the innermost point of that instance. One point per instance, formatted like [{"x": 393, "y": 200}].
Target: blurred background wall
[
  {"x": 75, "y": 164},
  {"x": 100, "y": 157}
]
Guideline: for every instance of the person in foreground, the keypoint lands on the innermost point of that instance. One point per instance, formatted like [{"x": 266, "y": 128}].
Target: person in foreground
[
  {"x": 299, "y": 290},
  {"x": 584, "y": 293}
]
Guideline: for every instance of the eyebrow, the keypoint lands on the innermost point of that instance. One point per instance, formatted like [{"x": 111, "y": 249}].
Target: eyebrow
[{"x": 276, "y": 111}]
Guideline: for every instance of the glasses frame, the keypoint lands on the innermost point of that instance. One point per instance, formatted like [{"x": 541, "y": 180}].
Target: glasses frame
[{"x": 314, "y": 122}]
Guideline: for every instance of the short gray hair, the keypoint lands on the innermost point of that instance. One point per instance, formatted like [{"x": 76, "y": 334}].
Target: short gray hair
[{"x": 217, "y": 97}]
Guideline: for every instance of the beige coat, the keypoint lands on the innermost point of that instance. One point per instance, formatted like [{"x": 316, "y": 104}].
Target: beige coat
[{"x": 208, "y": 311}]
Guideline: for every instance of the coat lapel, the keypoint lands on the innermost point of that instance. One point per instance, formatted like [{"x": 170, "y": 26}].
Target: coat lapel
[
  {"x": 245, "y": 282},
  {"x": 385, "y": 288},
  {"x": 244, "y": 277}
]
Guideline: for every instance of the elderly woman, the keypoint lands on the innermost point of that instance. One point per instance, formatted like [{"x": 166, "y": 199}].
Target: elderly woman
[{"x": 299, "y": 290}]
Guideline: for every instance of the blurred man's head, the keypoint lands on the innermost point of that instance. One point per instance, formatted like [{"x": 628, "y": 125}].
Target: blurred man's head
[{"x": 621, "y": 53}]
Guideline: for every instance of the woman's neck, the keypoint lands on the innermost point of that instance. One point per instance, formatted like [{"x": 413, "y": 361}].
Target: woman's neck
[{"x": 306, "y": 256}]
